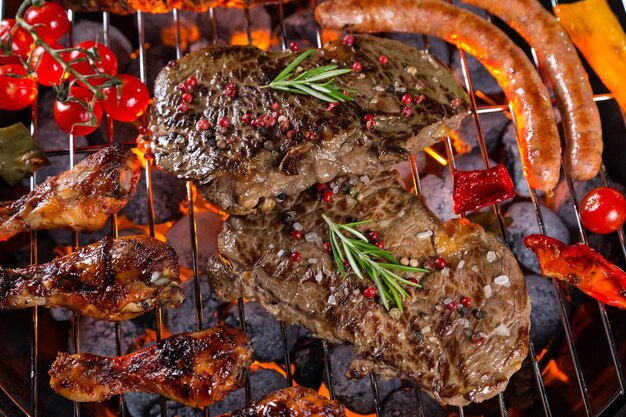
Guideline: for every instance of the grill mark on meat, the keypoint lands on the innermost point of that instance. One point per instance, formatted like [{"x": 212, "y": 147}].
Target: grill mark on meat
[
  {"x": 241, "y": 166},
  {"x": 427, "y": 344}
]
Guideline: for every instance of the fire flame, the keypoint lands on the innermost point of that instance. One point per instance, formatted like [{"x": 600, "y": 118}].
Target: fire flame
[{"x": 262, "y": 39}]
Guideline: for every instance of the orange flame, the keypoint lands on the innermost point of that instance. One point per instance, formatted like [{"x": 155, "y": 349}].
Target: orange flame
[{"x": 262, "y": 39}]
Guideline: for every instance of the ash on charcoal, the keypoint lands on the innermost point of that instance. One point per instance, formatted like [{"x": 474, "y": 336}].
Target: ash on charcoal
[
  {"x": 307, "y": 358},
  {"x": 98, "y": 336},
  {"x": 183, "y": 318},
  {"x": 264, "y": 332},
  {"x": 524, "y": 223},
  {"x": 87, "y": 30},
  {"x": 231, "y": 24},
  {"x": 208, "y": 227},
  {"x": 300, "y": 27},
  {"x": 438, "y": 194},
  {"x": 493, "y": 126},
  {"x": 356, "y": 395},
  {"x": 545, "y": 317},
  {"x": 262, "y": 382},
  {"x": 167, "y": 192},
  {"x": 402, "y": 403},
  {"x": 158, "y": 56},
  {"x": 513, "y": 162},
  {"x": 564, "y": 205}
]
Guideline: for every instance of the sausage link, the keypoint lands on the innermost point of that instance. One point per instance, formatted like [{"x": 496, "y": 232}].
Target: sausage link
[
  {"x": 558, "y": 57},
  {"x": 538, "y": 137}
]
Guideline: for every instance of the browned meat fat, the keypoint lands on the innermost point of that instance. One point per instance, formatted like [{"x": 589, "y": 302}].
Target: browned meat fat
[
  {"x": 457, "y": 355},
  {"x": 245, "y": 144}
]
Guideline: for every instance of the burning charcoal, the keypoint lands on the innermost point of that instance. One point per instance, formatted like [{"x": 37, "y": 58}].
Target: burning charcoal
[
  {"x": 87, "y": 30},
  {"x": 522, "y": 391},
  {"x": 160, "y": 29},
  {"x": 356, "y": 395},
  {"x": 64, "y": 237},
  {"x": 481, "y": 79},
  {"x": 264, "y": 332},
  {"x": 98, "y": 336},
  {"x": 158, "y": 56},
  {"x": 167, "y": 191},
  {"x": 545, "y": 316},
  {"x": 308, "y": 360},
  {"x": 564, "y": 205},
  {"x": 300, "y": 27},
  {"x": 231, "y": 24},
  {"x": 524, "y": 224},
  {"x": 438, "y": 194},
  {"x": 493, "y": 125},
  {"x": 50, "y": 137},
  {"x": 513, "y": 163},
  {"x": 468, "y": 162},
  {"x": 402, "y": 403},
  {"x": 208, "y": 226},
  {"x": 262, "y": 382},
  {"x": 183, "y": 318}
]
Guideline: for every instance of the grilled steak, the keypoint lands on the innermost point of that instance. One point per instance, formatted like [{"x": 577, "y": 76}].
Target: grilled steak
[
  {"x": 455, "y": 351},
  {"x": 245, "y": 144}
]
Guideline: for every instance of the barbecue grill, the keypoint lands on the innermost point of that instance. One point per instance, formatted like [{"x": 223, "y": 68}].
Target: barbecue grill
[{"x": 591, "y": 399}]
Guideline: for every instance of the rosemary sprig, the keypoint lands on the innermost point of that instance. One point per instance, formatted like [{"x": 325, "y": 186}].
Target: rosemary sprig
[
  {"x": 367, "y": 259},
  {"x": 309, "y": 82}
]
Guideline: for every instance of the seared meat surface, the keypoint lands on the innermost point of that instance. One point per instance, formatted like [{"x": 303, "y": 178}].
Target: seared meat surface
[
  {"x": 81, "y": 199},
  {"x": 113, "y": 279},
  {"x": 154, "y": 6},
  {"x": 195, "y": 369},
  {"x": 456, "y": 353},
  {"x": 246, "y": 145},
  {"x": 292, "y": 402}
]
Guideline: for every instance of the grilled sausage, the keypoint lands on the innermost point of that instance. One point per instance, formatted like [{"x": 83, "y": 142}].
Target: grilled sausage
[
  {"x": 154, "y": 6},
  {"x": 539, "y": 142},
  {"x": 558, "y": 57}
]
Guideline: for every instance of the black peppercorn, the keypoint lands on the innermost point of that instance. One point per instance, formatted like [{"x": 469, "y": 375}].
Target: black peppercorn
[{"x": 479, "y": 314}]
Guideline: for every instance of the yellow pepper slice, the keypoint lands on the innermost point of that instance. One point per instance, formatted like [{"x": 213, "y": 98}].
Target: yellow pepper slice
[{"x": 598, "y": 34}]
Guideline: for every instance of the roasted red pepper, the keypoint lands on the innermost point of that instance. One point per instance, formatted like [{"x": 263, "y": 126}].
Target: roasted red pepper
[
  {"x": 476, "y": 189},
  {"x": 582, "y": 267}
]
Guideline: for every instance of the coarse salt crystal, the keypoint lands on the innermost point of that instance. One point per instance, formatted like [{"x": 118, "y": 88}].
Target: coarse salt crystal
[
  {"x": 425, "y": 235},
  {"x": 318, "y": 276},
  {"x": 447, "y": 301},
  {"x": 331, "y": 300},
  {"x": 395, "y": 313},
  {"x": 487, "y": 291},
  {"x": 297, "y": 226},
  {"x": 281, "y": 119},
  {"x": 502, "y": 330},
  {"x": 335, "y": 189},
  {"x": 281, "y": 252},
  {"x": 401, "y": 335},
  {"x": 491, "y": 256},
  {"x": 310, "y": 237},
  {"x": 411, "y": 70},
  {"x": 501, "y": 280},
  {"x": 356, "y": 292},
  {"x": 426, "y": 329},
  {"x": 312, "y": 261},
  {"x": 461, "y": 264},
  {"x": 352, "y": 181},
  {"x": 271, "y": 246},
  {"x": 365, "y": 179},
  {"x": 445, "y": 272},
  {"x": 433, "y": 339},
  {"x": 378, "y": 88},
  {"x": 346, "y": 291}
]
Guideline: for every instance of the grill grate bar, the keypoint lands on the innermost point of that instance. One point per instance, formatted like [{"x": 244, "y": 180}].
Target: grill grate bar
[
  {"x": 328, "y": 367},
  {"x": 242, "y": 325},
  {"x": 374, "y": 385},
  {"x": 148, "y": 170},
  {"x": 620, "y": 232}
]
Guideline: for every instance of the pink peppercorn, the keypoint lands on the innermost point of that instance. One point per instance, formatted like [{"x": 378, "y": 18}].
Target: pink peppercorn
[
  {"x": 142, "y": 130},
  {"x": 440, "y": 263},
  {"x": 407, "y": 99},
  {"x": 357, "y": 67},
  {"x": 348, "y": 40},
  {"x": 407, "y": 112},
  {"x": 294, "y": 47},
  {"x": 182, "y": 87},
  {"x": 223, "y": 122},
  {"x": 192, "y": 81},
  {"x": 203, "y": 124},
  {"x": 296, "y": 234},
  {"x": 187, "y": 97},
  {"x": 370, "y": 292},
  {"x": 380, "y": 244},
  {"x": 419, "y": 99},
  {"x": 332, "y": 106},
  {"x": 231, "y": 91},
  {"x": 327, "y": 247},
  {"x": 327, "y": 196},
  {"x": 383, "y": 59},
  {"x": 183, "y": 107},
  {"x": 296, "y": 257},
  {"x": 466, "y": 301},
  {"x": 452, "y": 306},
  {"x": 246, "y": 118}
]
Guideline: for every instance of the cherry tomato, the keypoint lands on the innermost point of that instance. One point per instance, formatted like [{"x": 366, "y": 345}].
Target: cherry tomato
[
  {"x": 21, "y": 41},
  {"x": 71, "y": 116},
  {"x": 603, "y": 210},
  {"x": 17, "y": 90},
  {"x": 107, "y": 63},
  {"x": 51, "y": 21},
  {"x": 49, "y": 71},
  {"x": 131, "y": 103}
]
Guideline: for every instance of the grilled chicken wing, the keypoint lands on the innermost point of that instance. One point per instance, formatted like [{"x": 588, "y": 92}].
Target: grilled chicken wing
[
  {"x": 292, "y": 402},
  {"x": 195, "y": 369},
  {"x": 80, "y": 199},
  {"x": 113, "y": 279}
]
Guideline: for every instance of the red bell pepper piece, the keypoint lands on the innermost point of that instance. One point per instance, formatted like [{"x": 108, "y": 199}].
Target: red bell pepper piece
[
  {"x": 476, "y": 189},
  {"x": 582, "y": 267}
]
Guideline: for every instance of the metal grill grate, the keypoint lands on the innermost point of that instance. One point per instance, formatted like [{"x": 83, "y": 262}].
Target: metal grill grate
[{"x": 476, "y": 111}]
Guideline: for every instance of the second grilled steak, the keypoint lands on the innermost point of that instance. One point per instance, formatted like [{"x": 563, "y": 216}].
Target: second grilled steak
[
  {"x": 457, "y": 350},
  {"x": 246, "y": 144}
]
